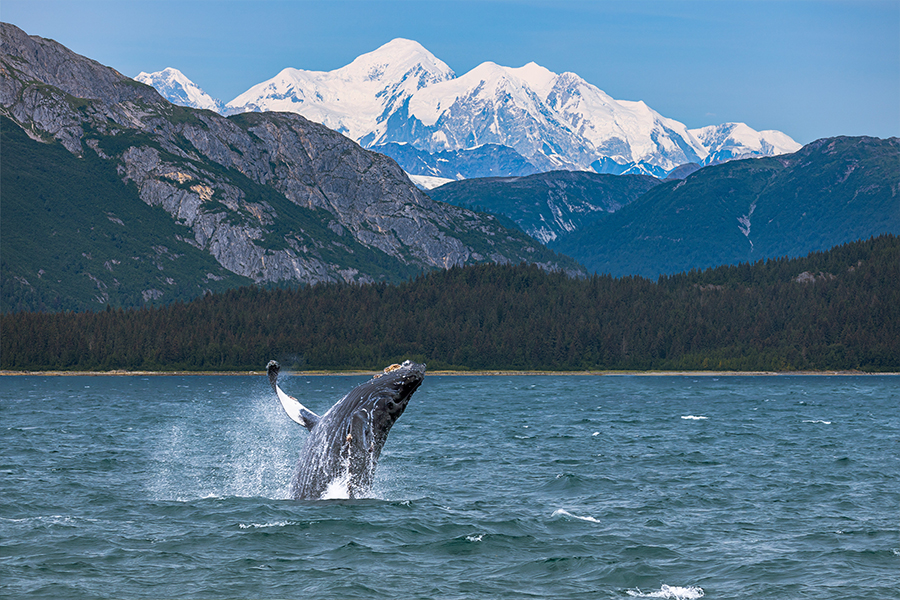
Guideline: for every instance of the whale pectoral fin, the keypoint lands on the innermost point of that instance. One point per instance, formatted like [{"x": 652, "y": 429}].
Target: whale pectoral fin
[{"x": 296, "y": 411}]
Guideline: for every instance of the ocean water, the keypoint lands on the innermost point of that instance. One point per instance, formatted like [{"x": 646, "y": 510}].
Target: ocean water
[{"x": 488, "y": 487}]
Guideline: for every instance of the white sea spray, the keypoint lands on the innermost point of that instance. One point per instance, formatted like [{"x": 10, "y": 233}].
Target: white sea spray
[{"x": 672, "y": 592}]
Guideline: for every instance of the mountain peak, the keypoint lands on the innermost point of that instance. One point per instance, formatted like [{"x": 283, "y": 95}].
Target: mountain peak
[
  {"x": 395, "y": 59},
  {"x": 355, "y": 98},
  {"x": 402, "y": 46},
  {"x": 178, "y": 89},
  {"x": 539, "y": 79},
  {"x": 170, "y": 73}
]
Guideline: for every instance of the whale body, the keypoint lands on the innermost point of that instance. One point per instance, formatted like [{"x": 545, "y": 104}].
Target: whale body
[{"x": 342, "y": 449}]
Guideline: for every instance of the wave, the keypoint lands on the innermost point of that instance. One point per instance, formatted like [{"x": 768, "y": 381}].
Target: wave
[
  {"x": 50, "y": 520},
  {"x": 566, "y": 514},
  {"x": 672, "y": 592}
]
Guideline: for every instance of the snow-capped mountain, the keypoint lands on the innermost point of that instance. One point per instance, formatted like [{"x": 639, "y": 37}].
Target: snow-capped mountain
[
  {"x": 492, "y": 104},
  {"x": 356, "y": 100},
  {"x": 623, "y": 133},
  {"x": 403, "y": 94},
  {"x": 731, "y": 141},
  {"x": 178, "y": 89}
]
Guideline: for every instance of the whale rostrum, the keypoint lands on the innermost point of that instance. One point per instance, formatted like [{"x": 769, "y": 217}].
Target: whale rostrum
[{"x": 341, "y": 451}]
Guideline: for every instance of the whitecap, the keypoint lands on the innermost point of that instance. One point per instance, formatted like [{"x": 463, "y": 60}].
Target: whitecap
[
  {"x": 817, "y": 421},
  {"x": 670, "y": 591},
  {"x": 264, "y": 525},
  {"x": 694, "y": 418},
  {"x": 595, "y": 434},
  {"x": 474, "y": 538},
  {"x": 51, "y": 520},
  {"x": 564, "y": 513}
]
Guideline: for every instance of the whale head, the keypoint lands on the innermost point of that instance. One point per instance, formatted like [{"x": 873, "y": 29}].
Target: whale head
[
  {"x": 397, "y": 385},
  {"x": 381, "y": 400}
]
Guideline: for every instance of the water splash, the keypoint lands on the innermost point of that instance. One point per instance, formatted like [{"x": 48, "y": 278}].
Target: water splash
[
  {"x": 672, "y": 592},
  {"x": 250, "y": 454},
  {"x": 339, "y": 488}
]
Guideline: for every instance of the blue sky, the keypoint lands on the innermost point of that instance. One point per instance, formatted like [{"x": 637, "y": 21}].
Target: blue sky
[{"x": 809, "y": 68}]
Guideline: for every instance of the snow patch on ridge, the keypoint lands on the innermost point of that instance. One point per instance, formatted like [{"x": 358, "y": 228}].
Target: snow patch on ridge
[{"x": 428, "y": 182}]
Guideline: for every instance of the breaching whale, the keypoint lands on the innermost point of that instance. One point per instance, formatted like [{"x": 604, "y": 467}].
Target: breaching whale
[{"x": 344, "y": 444}]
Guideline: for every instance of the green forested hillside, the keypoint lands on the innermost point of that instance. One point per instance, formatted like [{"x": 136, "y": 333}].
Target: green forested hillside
[
  {"x": 832, "y": 310},
  {"x": 74, "y": 237},
  {"x": 830, "y": 192}
]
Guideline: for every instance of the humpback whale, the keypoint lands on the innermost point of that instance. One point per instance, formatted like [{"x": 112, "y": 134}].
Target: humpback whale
[{"x": 344, "y": 444}]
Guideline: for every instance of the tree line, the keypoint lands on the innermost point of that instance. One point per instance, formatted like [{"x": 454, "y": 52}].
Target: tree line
[{"x": 833, "y": 310}]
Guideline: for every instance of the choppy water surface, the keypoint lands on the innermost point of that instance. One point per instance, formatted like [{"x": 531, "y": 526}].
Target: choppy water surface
[{"x": 488, "y": 487}]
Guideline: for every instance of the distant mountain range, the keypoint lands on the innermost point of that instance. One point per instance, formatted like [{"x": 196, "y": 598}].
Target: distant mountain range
[
  {"x": 830, "y": 192},
  {"x": 114, "y": 196},
  {"x": 401, "y": 94}
]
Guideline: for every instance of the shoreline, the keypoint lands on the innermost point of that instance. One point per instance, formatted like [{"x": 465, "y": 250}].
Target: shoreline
[{"x": 479, "y": 373}]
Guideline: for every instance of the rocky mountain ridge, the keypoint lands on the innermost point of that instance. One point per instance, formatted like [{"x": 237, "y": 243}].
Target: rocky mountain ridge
[{"x": 272, "y": 197}]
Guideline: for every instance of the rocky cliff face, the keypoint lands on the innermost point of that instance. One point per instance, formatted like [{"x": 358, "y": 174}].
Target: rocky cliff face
[{"x": 271, "y": 196}]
